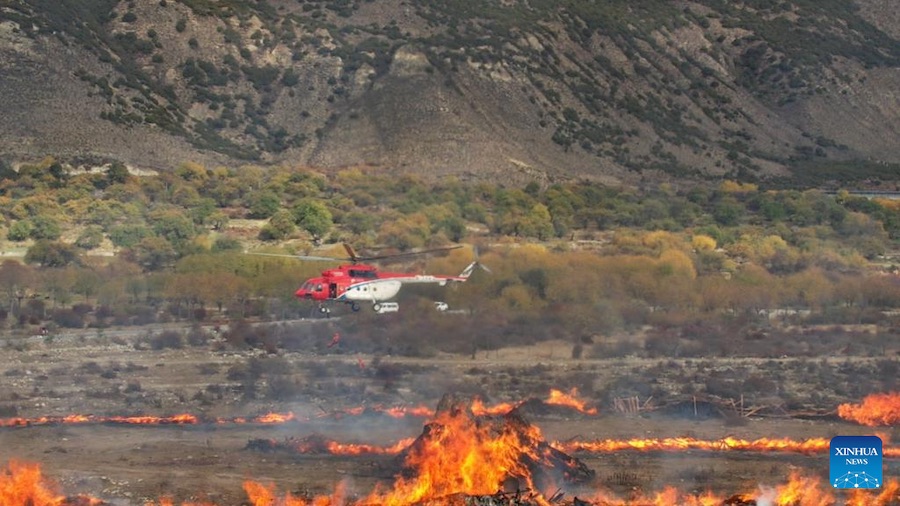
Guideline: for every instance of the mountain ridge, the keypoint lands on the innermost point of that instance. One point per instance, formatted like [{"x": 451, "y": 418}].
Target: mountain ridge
[{"x": 505, "y": 90}]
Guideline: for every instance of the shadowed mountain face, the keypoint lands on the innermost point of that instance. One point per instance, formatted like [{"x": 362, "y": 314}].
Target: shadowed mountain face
[{"x": 498, "y": 90}]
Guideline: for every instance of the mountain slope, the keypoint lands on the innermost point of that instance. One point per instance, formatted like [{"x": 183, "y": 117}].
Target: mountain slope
[{"x": 619, "y": 90}]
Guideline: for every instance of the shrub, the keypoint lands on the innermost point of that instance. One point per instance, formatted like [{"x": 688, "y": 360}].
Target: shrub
[
  {"x": 90, "y": 238},
  {"x": 19, "y": 231},
  {"x": 167, "y": 339},
  {"x": 68, "y": 318}
]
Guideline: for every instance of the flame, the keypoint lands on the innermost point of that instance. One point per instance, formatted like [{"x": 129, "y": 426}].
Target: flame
[
  {"x": 275, "y": 418},
  {"x": 807, "y": 446},
  {"x": 673, "y": 444},
  {"x": 560, "y": 398},
  {"x": 265, "y": 495},
  {"x": 24, "y": 485},
  {"x": 875, "y": 409},
  {"x": 555, "y": 398},
  {"x": 180, "y": 419},
  {"x": 462, "y": 456}
]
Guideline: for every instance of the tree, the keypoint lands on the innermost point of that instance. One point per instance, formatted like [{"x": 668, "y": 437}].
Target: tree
[
  {"x": 312, "y": 216},
  {"x": 19, "y": 231},
  {"x": 225, "y": 244},
  {"x": 90, "y": 238},
  {"x": 14, "y": 278},
  {"x": 263, "y": 204},
  {"x": 51, "y": 254},
  {"x": 153, "y": 253},
  {"x": 280, "y": 226},
  {"x": 174, "y": 226},
  {"x": 358, "y": 222},
  {"x": 127, "y": 236},
  {"x": 45, "y": 227},
  {"x": 117, "y": 174}
]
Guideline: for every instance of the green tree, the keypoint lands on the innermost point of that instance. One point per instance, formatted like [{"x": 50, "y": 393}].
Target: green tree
[
  {"x": 51, "y": 254},
  {"x": 19, "y": 230},
  {"x": 263, "y": 204},
  {"x": 90, "y": 238},
  {"x": 45, "y": 227},
  {"x": 312, "y": 216},
  {"x": 359, "y": 223},
  {"x": 126, "y": 236},
  {"x": 117, "y": 174},
  {"x": 280, "y": 226},
  {"x": 153, "y": 253},
  {"x": 226, "y": 244},
  {"x": 173, "y": 226}
]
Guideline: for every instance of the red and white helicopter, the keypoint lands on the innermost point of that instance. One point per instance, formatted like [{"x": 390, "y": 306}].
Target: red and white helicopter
[{"x": 356, "y": 282}]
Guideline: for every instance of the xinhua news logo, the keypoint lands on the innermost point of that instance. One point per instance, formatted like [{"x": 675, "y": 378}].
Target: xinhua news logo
[{"x": 856, "y": 462}]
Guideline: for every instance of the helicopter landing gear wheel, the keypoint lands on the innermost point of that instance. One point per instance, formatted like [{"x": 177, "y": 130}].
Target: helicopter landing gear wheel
[
  {"x": 354, "y": 306},
  {"x": 376, "y": 307}
]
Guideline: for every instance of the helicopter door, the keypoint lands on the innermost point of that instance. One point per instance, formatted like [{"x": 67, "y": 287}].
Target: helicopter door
[{"x": 332, "y": 290}]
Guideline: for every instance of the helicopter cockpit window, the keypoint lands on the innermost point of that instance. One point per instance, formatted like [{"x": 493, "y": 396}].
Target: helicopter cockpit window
[
  {"x": 364, "y": 274},
  {"x": 319, "y": 287}
]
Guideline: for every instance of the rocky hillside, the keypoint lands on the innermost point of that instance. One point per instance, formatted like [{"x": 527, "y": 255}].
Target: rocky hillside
[{"x": 619, "y": 90}]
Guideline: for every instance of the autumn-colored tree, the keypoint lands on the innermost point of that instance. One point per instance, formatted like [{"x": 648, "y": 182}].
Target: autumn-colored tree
[{"x": 702, "y": 242}]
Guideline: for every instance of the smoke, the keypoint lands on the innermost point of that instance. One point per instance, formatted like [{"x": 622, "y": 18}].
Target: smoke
[{"x": 766, "y": 496}]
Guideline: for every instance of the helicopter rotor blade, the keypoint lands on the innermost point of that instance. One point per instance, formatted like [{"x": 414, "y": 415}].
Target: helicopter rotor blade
[
  {"x": 303, "y": 257},
  {"x": 409, "y": 253},
  {"x": 354, "y": 258},
  {"x": 351, "y": 253}
]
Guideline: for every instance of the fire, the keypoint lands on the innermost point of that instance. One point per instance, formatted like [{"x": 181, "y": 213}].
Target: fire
[
  {"x": 180, "y": 419},
  {"x": 275, "y": 418},
  {"x": 672, "y": 444},
  {"x": 266, "y": 495},
  {"x": 812, "y": 445},
  {"x": 480, "y": 409},
  {"x": 25, "y": 485},
  {"x": 462, "y": 456},
  {"x": 560, "y": 398},
  {"x": 555, "y": 398},
  {"x": 875, "y": 409}
]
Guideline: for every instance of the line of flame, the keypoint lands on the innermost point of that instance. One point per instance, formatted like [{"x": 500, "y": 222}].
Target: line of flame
[
  {"x": 671, "y": 444},
  {"x": 24, "y": 485},
  {"x": 556, "y": 397}
]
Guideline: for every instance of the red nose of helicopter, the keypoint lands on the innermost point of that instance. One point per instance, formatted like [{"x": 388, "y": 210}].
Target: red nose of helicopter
[{"x": 309, "y": 289}]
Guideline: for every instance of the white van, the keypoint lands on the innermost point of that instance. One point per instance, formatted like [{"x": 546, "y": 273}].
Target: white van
[{"x": 386, "y": 307}]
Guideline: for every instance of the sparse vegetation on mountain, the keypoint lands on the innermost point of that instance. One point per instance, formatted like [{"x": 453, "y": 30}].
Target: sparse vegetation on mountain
[{"x": 748, "y": 90}]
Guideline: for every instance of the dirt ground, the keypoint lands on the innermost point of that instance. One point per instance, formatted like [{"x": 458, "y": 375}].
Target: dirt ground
[{"x": 103, "y": 374}]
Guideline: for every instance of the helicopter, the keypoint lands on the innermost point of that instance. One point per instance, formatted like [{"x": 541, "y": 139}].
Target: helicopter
[{"x": 355, "y": 283}]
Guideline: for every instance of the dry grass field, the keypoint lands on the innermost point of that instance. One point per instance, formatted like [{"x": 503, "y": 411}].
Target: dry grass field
[{"x": 207, "y": 458}]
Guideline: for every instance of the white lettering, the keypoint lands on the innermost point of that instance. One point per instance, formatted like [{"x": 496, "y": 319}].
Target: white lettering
[{"x": 865, "y": 452}]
